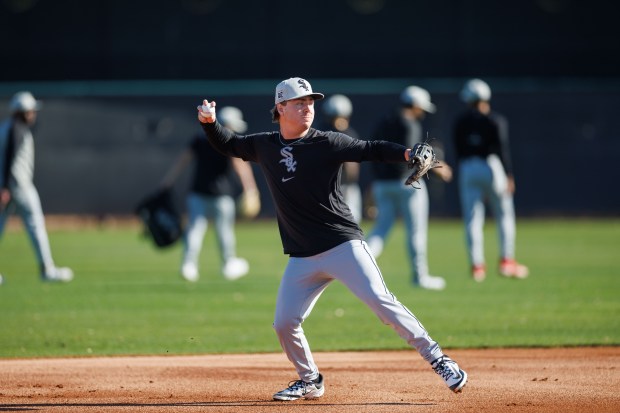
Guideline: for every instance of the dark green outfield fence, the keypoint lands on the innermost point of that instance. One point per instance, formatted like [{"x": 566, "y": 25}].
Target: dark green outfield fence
[{"x": 102, "y": 149}]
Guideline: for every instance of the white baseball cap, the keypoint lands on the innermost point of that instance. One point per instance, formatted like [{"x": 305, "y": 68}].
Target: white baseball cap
[
  {"x": 416, "y": 96},
  {"x": 24, "y": 102},
  {"x": 337, "y": 105},
  {"x": 294, "y": 88},
  {"x": 475, "y": 90},
  {"x": 232, "y": 118}
]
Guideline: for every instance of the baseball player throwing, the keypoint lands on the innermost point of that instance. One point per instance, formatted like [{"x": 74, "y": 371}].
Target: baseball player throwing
[{"x": 302, "y": 167}]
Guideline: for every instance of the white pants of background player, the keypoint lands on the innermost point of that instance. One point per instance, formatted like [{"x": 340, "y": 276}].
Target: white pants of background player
[
  {"x": 353, "y": 198},
  {"x": 221, "y": 209},
  {"x": 352, "y": 264},
  {"x": 392, "y": 197},
  {"x": 480, "y": 180},
  {"x": 26, "y": 203}
]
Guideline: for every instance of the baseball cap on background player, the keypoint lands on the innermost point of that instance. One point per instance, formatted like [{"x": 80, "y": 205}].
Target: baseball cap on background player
[
  {"x": 475, "y": 90},
  {"x": 294, "y": 88},
  {"x": 232, "y": 118},
  {"x": 417, "y": 96},
  {"x": 24, "y": 102},
  {"x": 337, "y": 105}
]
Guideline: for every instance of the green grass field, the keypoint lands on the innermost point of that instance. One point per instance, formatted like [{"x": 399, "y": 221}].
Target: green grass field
[{"x": 127, "y": 297}]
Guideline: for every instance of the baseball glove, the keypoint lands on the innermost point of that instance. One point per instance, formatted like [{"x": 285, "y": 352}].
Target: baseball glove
[
  {"x": 421, "y": 160},
  {"x": 249, "y": 204}
]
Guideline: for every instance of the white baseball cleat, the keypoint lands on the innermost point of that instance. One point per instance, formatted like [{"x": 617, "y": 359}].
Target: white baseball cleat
[
  {"x": 375, "y": 244},
  {"x": 431, "y": 282},
  {"x": 452, "y": 375},
  {"x": 235, "y": 268},
  {"x": 189, "y": 271},
  {"x": 57, "y": 274},
  {"x": 302, "y": 389}
]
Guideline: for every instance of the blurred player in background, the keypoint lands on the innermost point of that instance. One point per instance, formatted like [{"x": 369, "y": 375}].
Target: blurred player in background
[
  {"x": 302, "y": 165},
  {"x": 338, "y": 110},
  {"x": 211, "y": 197},
  {"x": 393, "y": 196},
  {"x": 17, "y": 191},
  {"x": 485, "y": 174}
]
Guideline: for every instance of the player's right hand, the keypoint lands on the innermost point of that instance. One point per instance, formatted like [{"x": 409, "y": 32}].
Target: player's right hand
[{"x": 206, "y": 112}]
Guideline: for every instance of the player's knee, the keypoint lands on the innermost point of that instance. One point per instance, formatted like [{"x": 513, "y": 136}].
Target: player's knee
[{"x": 284, "y": 326}]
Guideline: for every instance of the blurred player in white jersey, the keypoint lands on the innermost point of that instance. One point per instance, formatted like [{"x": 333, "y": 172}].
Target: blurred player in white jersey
[{"x": 17, "y": 191}]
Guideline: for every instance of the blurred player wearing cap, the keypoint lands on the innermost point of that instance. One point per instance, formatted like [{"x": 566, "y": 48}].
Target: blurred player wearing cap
[
  {"x": 485, "y": 173},
  {"x": 338, "y": 110},
  {"x": 302, "y": 166},
  {"x": 17, "y": 191},
  {"x": 392, "y": 196},
  {"x": 211, "y": 197}
]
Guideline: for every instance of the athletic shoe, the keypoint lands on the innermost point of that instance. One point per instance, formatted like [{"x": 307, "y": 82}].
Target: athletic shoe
[
  {"x": 431, "y": 282},
  {"x": 450, "y": 372},
  {"x": 235, "y": 268},
  {"x": 302, "y": 389},
  {"x": 58, "y": 274},
  {"x": 1, "y": 279},
  {"x": 478, "y": 272},
  {"x": 189, "y": 271},
  {"x": 511, "y": 268}
]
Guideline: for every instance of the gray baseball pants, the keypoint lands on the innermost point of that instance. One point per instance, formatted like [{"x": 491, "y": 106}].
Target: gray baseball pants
[
  {"x": 351, "y": 263},
  {"x": 481, "y": 180},
  {"x": 201, "y": 208},
  {"x": 26, "y": 203}
]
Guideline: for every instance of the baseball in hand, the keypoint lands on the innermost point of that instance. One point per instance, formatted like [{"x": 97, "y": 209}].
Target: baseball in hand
[{"x": 207, "y": 111}]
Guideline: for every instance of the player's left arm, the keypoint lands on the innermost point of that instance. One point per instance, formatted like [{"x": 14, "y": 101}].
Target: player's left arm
[
  {"x": 249, "y": 202},
  {"x": 443, "y": 171},
  {"x": 505, "y": 156},
  {"x": 374, "y": 151}
]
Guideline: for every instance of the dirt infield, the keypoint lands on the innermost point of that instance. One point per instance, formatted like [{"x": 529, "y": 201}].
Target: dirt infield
[{"x": 507, "y": 380}]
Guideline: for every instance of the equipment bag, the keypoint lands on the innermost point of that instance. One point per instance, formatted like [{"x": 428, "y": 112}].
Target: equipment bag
[{"x": 160, "y": 218}]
